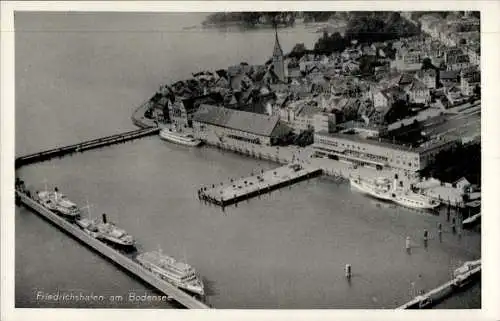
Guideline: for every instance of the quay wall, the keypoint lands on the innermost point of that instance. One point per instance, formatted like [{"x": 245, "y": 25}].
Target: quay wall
[{"x": 443, "y": 291}]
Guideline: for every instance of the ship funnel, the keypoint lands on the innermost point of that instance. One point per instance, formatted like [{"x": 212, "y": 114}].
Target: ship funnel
[{"x": 104, "y": 218}]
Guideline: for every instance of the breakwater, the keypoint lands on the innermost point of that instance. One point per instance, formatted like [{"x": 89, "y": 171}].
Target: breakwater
[
  {"x": 86, "y": 145},
  {"x": 470, "y": 272}
]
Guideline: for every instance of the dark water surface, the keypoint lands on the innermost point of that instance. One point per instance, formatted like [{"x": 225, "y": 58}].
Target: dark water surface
[{"x": 82, "y": 77}]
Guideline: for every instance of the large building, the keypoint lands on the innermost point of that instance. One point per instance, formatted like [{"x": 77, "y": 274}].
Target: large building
[
  {"x": 376, "y": 152},
  {"x": 218, "y": 124}
]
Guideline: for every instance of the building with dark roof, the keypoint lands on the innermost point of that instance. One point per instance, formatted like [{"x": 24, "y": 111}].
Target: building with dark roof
[{"x": 225, "y": 123}]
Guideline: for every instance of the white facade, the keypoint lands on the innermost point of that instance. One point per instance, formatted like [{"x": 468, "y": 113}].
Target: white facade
[{"x": 376, "y": 153}]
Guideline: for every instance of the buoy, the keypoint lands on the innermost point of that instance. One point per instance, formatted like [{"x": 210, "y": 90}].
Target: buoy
[{"x": 348, "y": 273}]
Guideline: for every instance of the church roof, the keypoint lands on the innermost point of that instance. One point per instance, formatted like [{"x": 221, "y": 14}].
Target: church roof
[{"x": 277, "y": 47}]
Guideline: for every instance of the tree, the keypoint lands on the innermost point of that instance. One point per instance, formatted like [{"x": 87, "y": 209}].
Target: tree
[
  {"x": 477, "y": 91},
  {"x": 427, "y": 64},
  {"x": 298, "y": 50},
  {"x": 329, "y": 44}
]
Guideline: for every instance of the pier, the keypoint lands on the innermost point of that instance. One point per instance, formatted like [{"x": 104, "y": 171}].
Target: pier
[
  {"x": 114, "y": 256},
  {"x": 259, "y": 183},
  {"x": 80, "y": 147},
  {"x": 468, "y": 272}
]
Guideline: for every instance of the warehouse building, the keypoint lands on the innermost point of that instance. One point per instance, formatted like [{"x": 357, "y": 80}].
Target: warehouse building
[{"x": 218, "y": 124}]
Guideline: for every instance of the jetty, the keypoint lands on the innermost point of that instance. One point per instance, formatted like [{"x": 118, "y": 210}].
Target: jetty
[
  {"x": 86, "y": 145},
  {"x": 463, "y": 276},
  {"x": 234, "y": 191},
  {"x": 113, "y": 255}
]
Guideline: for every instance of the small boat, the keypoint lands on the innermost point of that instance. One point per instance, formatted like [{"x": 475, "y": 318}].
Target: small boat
[
  {"x": 179, "y": 138},
  {"x": 471, "y": 220},
  {"x": 180, "y": 274}
]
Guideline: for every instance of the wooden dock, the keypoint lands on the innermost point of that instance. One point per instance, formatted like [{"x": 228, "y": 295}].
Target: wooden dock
[
  {"x": 259, "y": 183},
  {"x": 436, "y": 295},
  {"x": 114, "y": 256},
  {"x": 80, "y": 147}
]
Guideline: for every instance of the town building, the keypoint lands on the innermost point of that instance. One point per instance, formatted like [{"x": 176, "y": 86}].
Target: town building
[
  {"x": 454, "y": 95},
  {"x": 419, "y": 93},
  {"x": 219, "y": 124},
  {"x": 474, "y": 53},
  {"x": 377, "y": 152},
  {"x": 383, "y": 99},
  {"x": 428, "y": 77},
  {"x": 449, "y": 78},
  {"x": 469, "y": 80},
  {"x": 457, "y": 62},
  {"x": 181, "y": 111}
]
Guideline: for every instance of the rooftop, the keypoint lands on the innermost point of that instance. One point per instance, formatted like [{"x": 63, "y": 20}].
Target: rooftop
[{"x": 385, "y": 143}]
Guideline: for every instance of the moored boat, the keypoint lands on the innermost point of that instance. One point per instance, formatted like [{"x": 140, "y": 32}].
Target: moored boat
[
  {"x": 58, "y": 203},
  {"x": 414, "y": 200},
  {"x": 180, "y": 274},
  {"x": 179, "y": 138},
  {"x": 379, "y": 188},
  {"x": 108, "y": 232}
]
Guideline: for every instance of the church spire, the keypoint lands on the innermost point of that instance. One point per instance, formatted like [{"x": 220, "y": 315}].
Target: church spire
[{"x": 277, "y": 47}]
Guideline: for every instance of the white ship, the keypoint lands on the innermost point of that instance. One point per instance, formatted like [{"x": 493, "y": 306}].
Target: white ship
[
  {"x": 414, "y": 200},
  {"x": 180, "y": 274},
  {"x": 179, "y": 138},
  {"x": 380, "y": 188},
  {"x": 383, "y": 189}
]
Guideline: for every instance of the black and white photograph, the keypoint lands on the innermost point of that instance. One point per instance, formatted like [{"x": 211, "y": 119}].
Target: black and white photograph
[{"x": 249, "y": 160}]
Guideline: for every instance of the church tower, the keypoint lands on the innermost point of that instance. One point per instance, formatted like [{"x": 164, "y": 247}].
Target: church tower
[{"x": 278, "y": 60}]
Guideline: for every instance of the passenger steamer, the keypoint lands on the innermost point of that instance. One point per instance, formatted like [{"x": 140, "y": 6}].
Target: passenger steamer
[
  {"x": 383, "y": 189},
  {"x": 179, "y": 138},
  {"x": 180, "y": 274}
]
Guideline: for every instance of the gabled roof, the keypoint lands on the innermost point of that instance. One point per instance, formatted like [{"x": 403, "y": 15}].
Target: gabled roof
[
  {"x": 418, "y": 85},
  {"x": 258, "y": 124},
  {"x": 458, "y": 59},
  {"x": 448, "y": 74}
]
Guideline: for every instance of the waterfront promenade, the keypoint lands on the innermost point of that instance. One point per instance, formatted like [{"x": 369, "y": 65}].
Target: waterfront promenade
[{"x": 305, "y": 155}]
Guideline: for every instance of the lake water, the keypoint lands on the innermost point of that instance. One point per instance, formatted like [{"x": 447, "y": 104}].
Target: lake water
[{"x": 79, "y": 76}]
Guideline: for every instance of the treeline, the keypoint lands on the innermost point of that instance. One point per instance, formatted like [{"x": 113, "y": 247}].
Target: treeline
[
  {"x": 451, "y": 165},
  {"x": 415, "y": 15},
  {"x": 368, "y": 27},
  {"x": 251, "y": 18}
]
